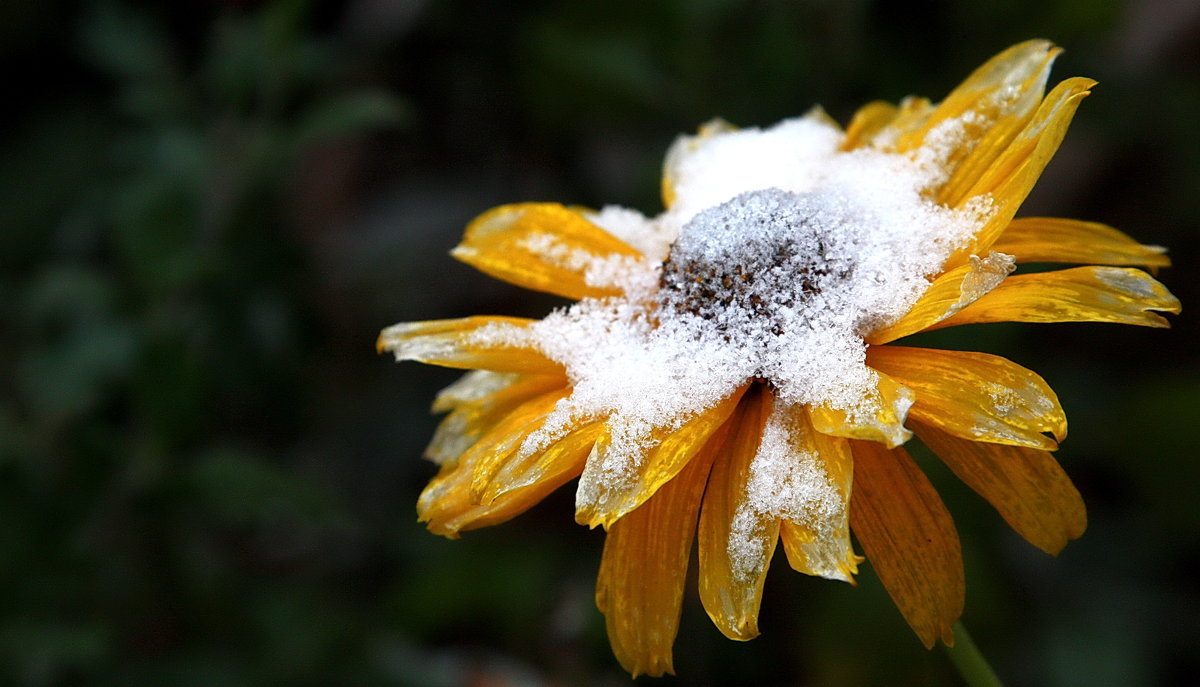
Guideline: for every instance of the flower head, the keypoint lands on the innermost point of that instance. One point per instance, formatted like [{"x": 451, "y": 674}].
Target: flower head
[{"x": 728, "y": 367}]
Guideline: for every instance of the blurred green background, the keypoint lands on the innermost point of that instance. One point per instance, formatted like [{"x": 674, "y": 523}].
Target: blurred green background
[{"x": 209, "y": 209}]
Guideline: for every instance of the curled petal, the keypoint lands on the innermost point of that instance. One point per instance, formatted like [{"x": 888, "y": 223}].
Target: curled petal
[
  {"x": 733, "y": 568},
  {"x": 544, "y": 247},
  {"x": 644, "y": 568},
  {"x": 611, "y": 487},
  {"x": 448, "y": 508},
  {"x": 1081, "y": 294},
  {"x": 909, "y": 538},
  {"x": 821, "y": 545},
  {"x": 948, "y": 294},
  {"x": 1051, "y": 239},
  {"x": 975, "y": 395},
  {"x": 503, "y": 441},
  {"x": 456, "y": 343},
  {"x": 1026, "y": 486},
  {"x": 881, "y": 418},
  {"x": 477, "y": 402},
  {"x": 1010, "y": 177},
  {"x": 522, "y": 470}
]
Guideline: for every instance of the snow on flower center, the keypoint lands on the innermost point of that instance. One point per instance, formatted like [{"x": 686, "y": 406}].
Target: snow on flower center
[{"x": 778, "y": 255}]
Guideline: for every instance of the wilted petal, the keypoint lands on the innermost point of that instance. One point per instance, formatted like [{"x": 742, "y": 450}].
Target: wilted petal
[
  {"x": 455, "y": 343},
  {"x": 909, "y": 538},
  {"x": 1026, "y": 486},
  {"x": 975, "y": 395},
  {"x": 1081, "y": 294},
  {"x": 476, "y": 403},
  {"x": 1052, "y": 239},
  {"x": 642, "y": 574},
  {"x": 948, "y": 294},
  {"x": 611, "y": 487},
  {"x": 733, "y": 568}
]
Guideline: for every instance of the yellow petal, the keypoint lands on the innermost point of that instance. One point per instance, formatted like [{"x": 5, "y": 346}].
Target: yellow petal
[
  {"x": 523, "y": 470},
  {"x": 503, "y": 441},
  {"x": 681, "y": 149},
  {"x": 1026, "y": 486},
  {"x": 881, "y": 417},
  {"x": 821, "y": 546},
  {"x": 453, "y": 343},
  {"x": 948, "y": 294},
  {"x": 1050, "y": 239},
  {"x": 1081, "y": 294},
  {"x": 975, "y": 395},
  {"x": 611, "y": 486},
  {"x": 731, "y": 587},
  {"x": 477, "y": 402},
  {"x": 1013, "y": 173},
  {"x": 544, "y": 247},
  {"x": 909, "y": 538},
  {"x": 447, "y": 506},
  {"x": 867, "y": 123},
  {"x": 644, "y": 568}
]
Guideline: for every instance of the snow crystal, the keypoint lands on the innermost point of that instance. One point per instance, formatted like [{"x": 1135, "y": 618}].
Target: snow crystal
[{"x": 779, "y": 254}]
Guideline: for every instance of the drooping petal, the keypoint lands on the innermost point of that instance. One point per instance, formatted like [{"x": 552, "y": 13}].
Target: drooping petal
[
  {"x": 733, "y": 568},
  {"x": 1026, "y": 486},
  {"x": 611, "y": 486},
  {"x": 975, "y": 395},
  {"x": 448, "y": 509},
  {"x": 1121, "y": 295},
  {"x": 476, "y": 403},
  {"x": 544, "y": 247},
  {"x": 820, "y": 545},
  {"x": 504, "y": 440},
  {"x": 1010, "y": 177},
  {"x": 909, "y": 538},
  {"x": 1052, "y": 239},
  {"x": 644, "y": 568},
  {"x": 522, "y": 470},
  {"x": 452, "y": 343},
  {"x": 948, "y": 294},
  {"x": 880, "y": 418}
]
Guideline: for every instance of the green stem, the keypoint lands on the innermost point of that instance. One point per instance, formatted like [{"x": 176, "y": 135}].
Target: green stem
[{"x": 970, "y": 663}]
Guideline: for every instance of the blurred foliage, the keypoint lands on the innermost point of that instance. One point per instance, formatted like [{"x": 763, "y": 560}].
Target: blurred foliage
[{"x": 209, "y": 210}]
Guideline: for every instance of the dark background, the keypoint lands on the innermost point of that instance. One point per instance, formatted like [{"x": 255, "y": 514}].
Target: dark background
[{"x": 209, "y": 209}]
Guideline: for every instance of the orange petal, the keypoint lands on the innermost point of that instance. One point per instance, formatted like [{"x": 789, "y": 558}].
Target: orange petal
[
  {"x": 1013, "y": 173},
  {"x": 909, "y": 538},
  {"x": 881, "y": 417},
  {"x": 503, "y": 441},
  {"x": 975, "y": 395},
  {"x": 522, "y": 470},
  {"x": 882, "y": 126},
  {"x": 867, "y": 122},
  {"x": 478, "y": 401},
  {"x": 544, "y": 247},
  {"x": 1027, "y": 486},
  {"x": 948, "y": 294},
  {"x": 614, "y": 483},
  {"x": 1050, "y": 239},
  {"x": 1081, "y": 294},
  {"x": 821, "y": 546},
  {"x": 448, "y": 508},
  {"x": 732, "y": 570},
  {"x": 642, "y": 574},
  {"x": 451, "y": 343}
]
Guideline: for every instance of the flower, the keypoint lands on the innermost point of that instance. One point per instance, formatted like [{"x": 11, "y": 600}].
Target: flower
[{"x": 729, "y": 369}]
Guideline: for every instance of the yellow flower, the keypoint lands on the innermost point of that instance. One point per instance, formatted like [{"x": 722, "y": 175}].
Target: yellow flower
[{"x": 728, "y": 368}]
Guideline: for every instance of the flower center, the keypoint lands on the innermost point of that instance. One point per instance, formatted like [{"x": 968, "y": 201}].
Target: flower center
[{"x": 761, "y": 258}]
